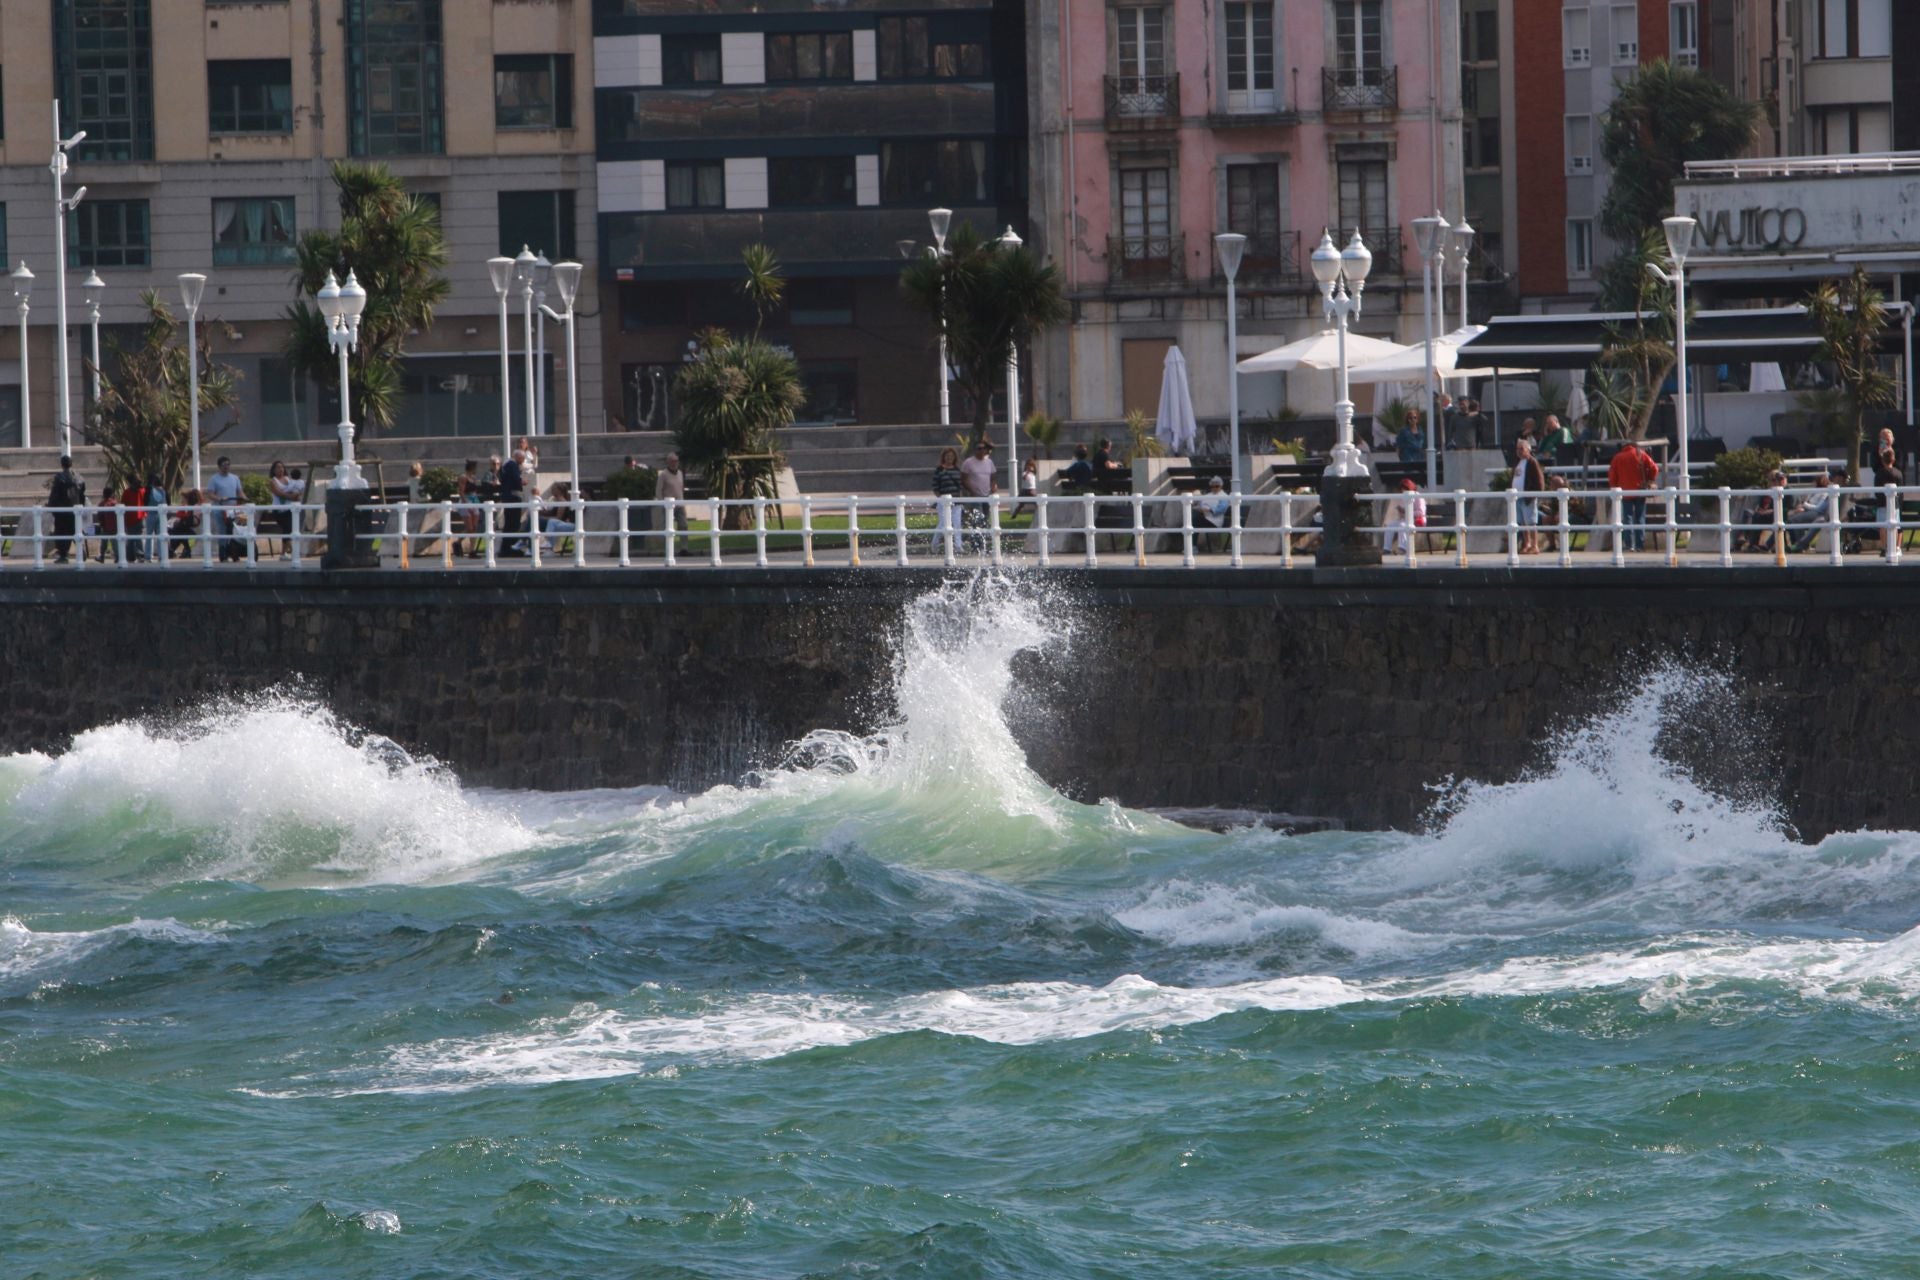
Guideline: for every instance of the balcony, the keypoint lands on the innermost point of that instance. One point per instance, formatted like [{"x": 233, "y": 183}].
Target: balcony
[
  {"x": 1359, "y": 89},
  {"x": 1389, "y": 251},
  {"x": 1145, "y": 259},
  {"x": 1268, "y": 261},
  {"x": 1143, "y": 101}
]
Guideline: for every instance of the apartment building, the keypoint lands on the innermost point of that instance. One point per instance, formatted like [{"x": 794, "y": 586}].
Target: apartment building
[
  {"x": 825, "y": 130},
  {"x": 1159, "y": 125},
  {"x": 210, "y": 126},
  {"x": 1828, "y": 76}
]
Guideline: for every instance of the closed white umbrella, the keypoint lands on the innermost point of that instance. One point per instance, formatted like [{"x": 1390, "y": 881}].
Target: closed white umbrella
[
  {"x": 1322, "y": 351},
  {"x": 1175, "y": 425},
  {"x": 1767, "y": 377}
]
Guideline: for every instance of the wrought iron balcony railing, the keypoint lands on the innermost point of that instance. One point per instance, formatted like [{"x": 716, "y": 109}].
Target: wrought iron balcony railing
[
  {"x": 1143, "y": 97},
  {"x": 1145, "y": 259},
  {"x": 1359, "y": 88},
  {"x": 1270, "y": 260}
]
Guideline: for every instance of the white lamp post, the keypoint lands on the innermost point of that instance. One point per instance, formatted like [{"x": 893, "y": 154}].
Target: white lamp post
[
  {"x": 542, "y": 277},
  {"x": 63, "y": 424},
  {"x": 341, "y": 305},
  {"x": 1679, "y": 231},
  {"x": 1462, "y": 247},
  {"x": 1231, "y": 245},
  {"x": 1342, "y": 277},
  {"x": 23, "y": 294},
  {"x": 1430, "y": 233},
  {"x": 566, "y": 278},
  {"x": 500, "y": 270},
  {"x": 1009, "y": 241},
  {"x": 523, "y": 269},
  {"x": 95, "y": 290},
  {"x": 940, "y": 220},
  {"x": 192, "y": 285}
]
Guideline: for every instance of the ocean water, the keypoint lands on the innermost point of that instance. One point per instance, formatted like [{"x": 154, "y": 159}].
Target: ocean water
[{"x": 276, "y": 1000}]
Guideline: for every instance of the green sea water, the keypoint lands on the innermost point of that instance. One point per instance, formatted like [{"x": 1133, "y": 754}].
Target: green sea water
[{"x": 277, "y": 1001}]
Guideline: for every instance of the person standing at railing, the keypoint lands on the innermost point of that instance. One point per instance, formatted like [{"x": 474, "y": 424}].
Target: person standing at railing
[
  {"x": 286, "y": 493},
  {"x": 467, "y": 490},
  {"x": 1405, "y": 512},
  {"x": 1529, "y": 480},
  {"x": 948, "y": 483},
  {"x": 134, "y": 519},
  {"x": 156, "y": 497},
  {"x": 224, "y": 487},
  {"x": 512, "y": 517},
  {"x": 1633, "y": 470},
  {"x": 671, "y": 482},
  {"x": 65, "y": 492},
  {"x": 978, "y": 474},
  {"x": 1886, "y": 461}
]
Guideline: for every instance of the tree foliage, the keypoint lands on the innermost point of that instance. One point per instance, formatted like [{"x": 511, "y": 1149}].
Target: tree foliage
[
  {"x": 1639, "y": 356},
  {"x": 1662, "y": 118},
  {"x": 988, "y": 297},
  {"x": 392, "y": 243},
  {"x": 1851, "y": 316},
  {"x": 142, "y": 420}
]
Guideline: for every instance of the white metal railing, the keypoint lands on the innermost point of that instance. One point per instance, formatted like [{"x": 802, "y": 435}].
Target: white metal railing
[
  {"x": 1606, "y": 527},
  {"x": 1788, "y": 166}
]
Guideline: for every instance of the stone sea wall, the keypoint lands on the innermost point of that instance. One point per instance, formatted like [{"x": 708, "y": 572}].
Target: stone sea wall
[{"x": 1350, "y": 694}]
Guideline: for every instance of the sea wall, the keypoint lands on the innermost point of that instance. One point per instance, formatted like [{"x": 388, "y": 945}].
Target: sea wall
[{"x": 1349, "y": 694}]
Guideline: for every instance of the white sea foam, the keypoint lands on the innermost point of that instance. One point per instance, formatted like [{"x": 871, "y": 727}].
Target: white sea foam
[
  {"x": 278, "y": 790},
  {"x": 1186, "y": 914},
  {"x": 26, "y": 952}
]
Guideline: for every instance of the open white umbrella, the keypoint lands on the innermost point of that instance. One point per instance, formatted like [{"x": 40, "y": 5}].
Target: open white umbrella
[
  {"x": 1409, "y": 364},
  {"x": 1175, "y": 425},
  {"x": 1321, "y": 351}
]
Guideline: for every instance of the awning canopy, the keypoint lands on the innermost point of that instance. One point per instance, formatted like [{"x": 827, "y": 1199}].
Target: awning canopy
[{"x": 1575, "y": 341}]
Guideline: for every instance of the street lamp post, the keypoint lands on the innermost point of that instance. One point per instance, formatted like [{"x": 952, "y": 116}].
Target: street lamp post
[
  {"x": 940, "y": 220},
  {"x": 566, "y": 278},
  {"x": 1462, "y": 247},
  {"x": 192, "y": 286},
  {"x": 542, "y": 277},
  {"x": 1342, "y": 278},
  {"x": 340, "y": 307},
  {"x": 23, "y": 294},
  {"x": 63, "y": 425},
  {"x": 95, "y": 290},
  {"x": 500, "y": 270},
  {"x": 1679, "y": 232},
  {"x": 523, "y": 271},
  {"x": 1231, "y": 245},
  {"x": 1430, "y": 233},
  {"x": 1009, "y": 241}
]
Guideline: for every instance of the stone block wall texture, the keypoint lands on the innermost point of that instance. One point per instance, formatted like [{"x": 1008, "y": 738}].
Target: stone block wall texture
[{"x": 1348, "y": 694}]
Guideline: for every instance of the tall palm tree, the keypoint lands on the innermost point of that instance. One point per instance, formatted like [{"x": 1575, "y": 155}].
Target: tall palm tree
[
  {"x": 1662, "y": 118},
  {"x": 1851, "y": 315},
  {"x": 989, "y": 297}
]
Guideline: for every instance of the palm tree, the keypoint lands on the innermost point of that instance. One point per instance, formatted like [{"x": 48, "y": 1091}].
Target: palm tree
[
  {"x": 1638, "y": 357},
  {"x": 392, "y": 242},
  {"x": 1662, "y": 118},
  {"x": 988, "y": 296},
  {"x": 1851, "y": 315}
]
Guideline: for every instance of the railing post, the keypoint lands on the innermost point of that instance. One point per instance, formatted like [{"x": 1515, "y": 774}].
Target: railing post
[
  {"x": 993, "y": 528},
  {"x": 80, "y": 536},
  {"x": 207, "y": 522},
  {"x": 944, "y": 519},
  {"x": 1564, "y": 533},
  {"x": 1673, "y": 528},
  {"x": 625, "y": 533},
  {"x": 1040, "y": 508},
  {"x": 1092, "y": 556},
  {"x": 1619, "y": 528},
  {"x": 39, "y": 538},
  {"x": 294, "y": 514},
  {"x": 406, "y": 551},
  {"x": 446, "y": 533},
  {"x": 714, "y": 513},
  {"x": 165, "y": 552},
  {"x": 537, "y": 534},
  {"x": 120, "y": 536},
  {"x": 759, "y": 532},
  {"x": 1836, "y": 536},
  {"x": 853, "y": 530},
  {"x": 252, "y": 540},
  {"x": 1186, "y": 532},
  {"x": 900, "y": 530},
  {"x": 1513, "y": 529},
  {"x": 579, "y": 527},
  {"x": 806, "y": 529},
  {"x": 669, "y": 556},
  {"x": 1460, "y": 528},
  {"x": 1413, "y": 536},
  {"x": 1286, "y": 528},
  {"x": 1893, "y": 525},
  {"x": 486, "y": 534},
  {"x": 1726, "y": 527},
  {"x": 1780, "y": 529},
  {"x": 1234, "y": 533}
]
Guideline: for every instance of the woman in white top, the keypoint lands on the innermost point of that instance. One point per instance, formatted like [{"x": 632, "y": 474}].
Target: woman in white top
[{"x": 286, "y": 493}]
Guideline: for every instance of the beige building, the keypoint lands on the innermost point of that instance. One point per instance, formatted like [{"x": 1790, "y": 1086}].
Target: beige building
[{"x": 210, "y": 127}]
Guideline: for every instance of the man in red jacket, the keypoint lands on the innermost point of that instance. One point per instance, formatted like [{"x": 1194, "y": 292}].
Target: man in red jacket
[{"x": 1633, "y": 469}]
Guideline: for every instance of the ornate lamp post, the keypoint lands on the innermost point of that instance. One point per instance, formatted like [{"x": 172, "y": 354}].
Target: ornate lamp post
[
  {"x": 542, "y": 277},
  {"x": 62, "y": 203},
  {"x": 940, "y": 220},
  {"x": 1342, "y": 277},
  {"x": 566, "y": 278},
  {"x": 1231, "y": 245},
  {"x": 1462, "y": 247},
  {"x": 1430, "y": 233},
  {"x": 1679, "y": 231},
  {"x": 500, "y": 270},
  {"x": 340, "y": 306},
  {"x": 1009, "y": 241},
  {"x": 95, "y": 290},
  {"x": 523, "y": 273},
  {"x": 23, "y": 294},
  {"x": 192, "y": 286}
]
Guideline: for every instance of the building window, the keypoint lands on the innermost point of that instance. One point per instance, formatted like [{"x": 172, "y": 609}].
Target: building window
[
  {"x": 810, "y": 181},
  {"x": 1685, "y": 32},
  {"x": 689, "y": 59},
  {"x": 1360, "y": 42},
  {"x": 1481, "y": 139},
  {"x": 1576, "y": 38},
  {"x": 1250, "y": 57},
  {"x": 108, "y": 233},
  {"x": 250, "y": 95},
  {"x": 957, "y": 45},
  {"x": 253, "y": 232},
  {"x": 533, "y": 91},
  {"x": 1140, "y": 44},
  {"x": 1253, "y": 210},
  {"x": 831, "y": 388},
  {"x": 104, "y": 51},
  {"x": 394, "y": 77},
  {"x": 1854, "y": 28},
  {"x": 696, "y": 184},
  {"x": 1480, "y": 36},
  {"x": 540, "y": 220},
  {"x": 901, "y": 48},
  {"x": 1363, "y": 192},
  {"x": 1146, "y": 208},
  {"x": 1626, "y": 35},
  {"x": 819, "y": 303},
  {"x": 944, "y": 171},
  {"x": 1580, "y": 144},
  {"x": 810, "y": 55},
  {"x": 1579, "y": 247}
]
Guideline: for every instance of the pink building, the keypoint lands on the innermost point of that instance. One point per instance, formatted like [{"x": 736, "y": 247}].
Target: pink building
[{"x": 1156, "y": 125}]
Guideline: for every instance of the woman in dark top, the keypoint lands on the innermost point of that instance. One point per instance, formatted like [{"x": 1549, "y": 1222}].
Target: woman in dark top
[
  {"x": 948, "y": 483},
  {"x": 1886, "y": 462}
]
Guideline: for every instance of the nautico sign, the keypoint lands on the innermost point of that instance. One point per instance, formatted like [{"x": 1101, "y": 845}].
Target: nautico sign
[{"x": 1756, "y": 227}]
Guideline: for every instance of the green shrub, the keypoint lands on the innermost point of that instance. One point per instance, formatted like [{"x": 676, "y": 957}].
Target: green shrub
[
  {"x": 633, "y": 483},
  {"x": 1743, "y": 469},
  {"x": 254, "y": 489},
  {"x": 1501, "y": 481},
  {"x": 439, "y": 484}
]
